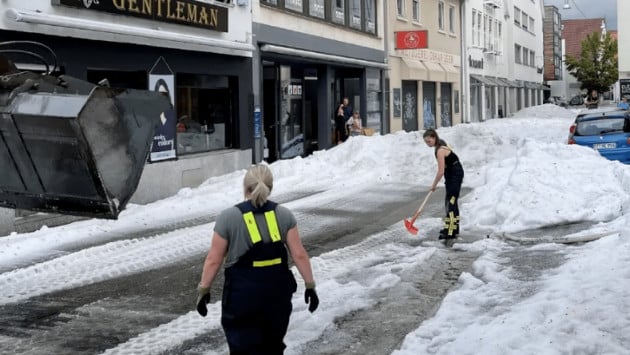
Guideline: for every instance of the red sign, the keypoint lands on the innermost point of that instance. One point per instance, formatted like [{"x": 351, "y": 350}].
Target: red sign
[{"x": 412, "y": 39}]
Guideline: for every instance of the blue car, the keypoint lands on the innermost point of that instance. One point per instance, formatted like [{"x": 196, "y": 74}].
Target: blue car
[{"x": 606, "y": 132}]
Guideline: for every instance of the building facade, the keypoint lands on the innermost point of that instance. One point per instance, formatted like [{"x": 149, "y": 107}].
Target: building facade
[
  {"x": 623, "y": 48},
  {"x": 198, "y": 52},
  {"x": 424, "y": 50},
  {"x": 552, "y": 52},
  {"x": 504, "y": 52},
  {"x": 573, "y": 33},
  {"x": 309, "y": 55}
]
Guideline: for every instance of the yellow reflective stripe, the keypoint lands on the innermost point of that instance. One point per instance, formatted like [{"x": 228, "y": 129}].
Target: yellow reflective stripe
[
  {"x": 452, "y": 201},
  {"x": 272, "y": 224},
  {"x": 252, "y": 228},
  {"x": 263, "y": 263},
  {"x": 452, "y": 223}
]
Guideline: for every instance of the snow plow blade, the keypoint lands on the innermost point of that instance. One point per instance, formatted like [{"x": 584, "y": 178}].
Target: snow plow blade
[{"x": 72, "y": 147}]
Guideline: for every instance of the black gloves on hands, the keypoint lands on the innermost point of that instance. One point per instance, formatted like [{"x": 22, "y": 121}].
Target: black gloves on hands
[
  {"x": 203, "y": 298},
  {"x": 310, "y": 297}
]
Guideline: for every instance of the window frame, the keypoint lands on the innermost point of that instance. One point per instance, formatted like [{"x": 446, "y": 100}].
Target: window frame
[{"x": 441, "y": 21}]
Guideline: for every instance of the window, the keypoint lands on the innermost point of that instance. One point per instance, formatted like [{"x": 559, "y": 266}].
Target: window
[
  {"x": 205, "y": 111},
  {"x": 441, "y": 15},
  {"x": 525, "y": 56},
  {"x": 475, "y": 42},
  {"x": 355, "y": 13},
  {"x": 491, "y": 38},
  {"x": 316, "y": 8},
  {"x": 479, "y": 28},
  {"x": 531, "y": 24},
  {"x": 532, "y": 58},
  {"x": 400, "y": 7},
  {"x": 517, "y": 16},
  {"x": 295, "y": 5},
  {"x": 499, "y": 44},
  {"x": 270, "y": 2},
  {"x": 415, "y": 8},
  {"x": 517, "y": 54},
  {"x": 486, "y": 40},
  {"x": 525, "y": 21},
  {"x": 370, "y": 16},
  {"x": 339, "y": 12},
  {"x": 451, "y": 19}
]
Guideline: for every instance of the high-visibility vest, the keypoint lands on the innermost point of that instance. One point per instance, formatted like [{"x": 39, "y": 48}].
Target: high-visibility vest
[{"x": 262, "y": 254}]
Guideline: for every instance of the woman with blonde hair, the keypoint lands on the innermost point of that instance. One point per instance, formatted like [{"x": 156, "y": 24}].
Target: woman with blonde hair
[{"x": 251, "y": 241}]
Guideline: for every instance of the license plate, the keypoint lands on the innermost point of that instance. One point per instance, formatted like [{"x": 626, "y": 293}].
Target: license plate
[{"x": 604, "y": 146}]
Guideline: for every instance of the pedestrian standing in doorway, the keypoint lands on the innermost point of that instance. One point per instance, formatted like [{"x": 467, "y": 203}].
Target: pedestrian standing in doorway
[
  {"x": 354, "y": 124},
  {"x": 251, "y": 240},
  {"x": 451, "y": 169},
  {"x": 341, "y": 133}
]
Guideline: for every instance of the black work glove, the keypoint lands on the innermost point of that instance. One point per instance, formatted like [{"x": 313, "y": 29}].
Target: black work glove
[
  {"x": 203, "y": 298},
  {"x": 310, "y": 297}
]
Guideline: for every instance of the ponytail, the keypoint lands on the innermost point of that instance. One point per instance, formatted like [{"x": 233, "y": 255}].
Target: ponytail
[{"x": 257, "y": 184}]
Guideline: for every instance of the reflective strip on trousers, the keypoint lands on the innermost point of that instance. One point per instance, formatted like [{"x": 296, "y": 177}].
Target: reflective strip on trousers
[{"x": 263, "y": 263}]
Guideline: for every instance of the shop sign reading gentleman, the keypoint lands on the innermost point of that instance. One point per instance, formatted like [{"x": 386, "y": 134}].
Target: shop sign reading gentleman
[{"x": 186, "y": 12}]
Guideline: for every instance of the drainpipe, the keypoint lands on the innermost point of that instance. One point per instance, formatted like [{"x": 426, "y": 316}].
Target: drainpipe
[
  {"x": 465, "y": 87},
  {"x": 385, "y": 126}
]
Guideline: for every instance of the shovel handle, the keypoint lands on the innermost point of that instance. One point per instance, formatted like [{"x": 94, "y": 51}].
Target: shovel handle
[{"x": 426, "y": 198}]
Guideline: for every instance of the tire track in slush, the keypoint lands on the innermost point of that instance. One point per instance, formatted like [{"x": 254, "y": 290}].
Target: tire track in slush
[
  {"x": 367, "y": 268},
  {"x": 50, "y": 318}
]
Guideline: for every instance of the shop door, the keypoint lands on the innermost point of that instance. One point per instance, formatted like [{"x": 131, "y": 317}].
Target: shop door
[
  {"x": 428, "y": 105},
  {"x": 270, "y": 112},
  {"x": 310, "y": 116},
  {"x": 410, "y": 105},
  {"x": 291, "y": 129},
  {"x": 446, "y": 116}
]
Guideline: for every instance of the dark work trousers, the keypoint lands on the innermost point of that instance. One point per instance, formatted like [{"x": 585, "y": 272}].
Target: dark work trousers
[
  {"x": 453, "y": 177},
  {"x": 256, "y": 308}
]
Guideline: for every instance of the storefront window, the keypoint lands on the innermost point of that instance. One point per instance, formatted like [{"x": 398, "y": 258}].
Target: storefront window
[
  {"x": 291, "y": 118},
  {"x": 374, "y": 98},
  {"x": 295, "y": 5},
  {"x": 204, "y": 111},
  {"x": 317, "y": 8},
  {"x": 270, "y": 2},
  {"x": 339, "y": 15}
]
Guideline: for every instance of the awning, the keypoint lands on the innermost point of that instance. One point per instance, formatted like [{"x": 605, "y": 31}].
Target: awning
[
  {"x": 414, "y": 70},
  {"x": 506, "y": 82},
  {"x": 452, "y": 73},
  {"x": 183, "y": 41},
  {"x": 436, "y": 72},
  {"x": 482, "y": 80},
  {"x": 320, "y": 56}
]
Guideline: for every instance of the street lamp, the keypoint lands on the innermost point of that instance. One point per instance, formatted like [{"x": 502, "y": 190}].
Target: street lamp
[{"x": 566, "y": 5}]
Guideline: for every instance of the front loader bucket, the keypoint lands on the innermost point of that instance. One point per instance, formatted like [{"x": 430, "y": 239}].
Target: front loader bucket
[{"x": 72, "y": 147}]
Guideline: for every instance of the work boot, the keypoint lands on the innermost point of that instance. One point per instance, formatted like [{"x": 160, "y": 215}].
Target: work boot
[{"x": 443, "y": 235}]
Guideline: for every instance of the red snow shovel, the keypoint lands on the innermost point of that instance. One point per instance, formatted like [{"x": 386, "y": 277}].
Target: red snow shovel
[{"x": 409, "y": 223}]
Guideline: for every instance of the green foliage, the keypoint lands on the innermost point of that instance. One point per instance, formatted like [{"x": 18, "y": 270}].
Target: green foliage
[{"x": 596, "y": 67}]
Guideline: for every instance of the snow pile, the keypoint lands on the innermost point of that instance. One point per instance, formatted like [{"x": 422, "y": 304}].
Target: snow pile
[{"x": 545, "y": 111}]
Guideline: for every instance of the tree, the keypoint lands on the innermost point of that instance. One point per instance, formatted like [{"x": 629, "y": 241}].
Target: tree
[{"x": 596, "y": 67}]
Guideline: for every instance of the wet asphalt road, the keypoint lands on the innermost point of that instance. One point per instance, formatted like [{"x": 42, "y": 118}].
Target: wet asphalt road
[{"x": 92, "y": 318}]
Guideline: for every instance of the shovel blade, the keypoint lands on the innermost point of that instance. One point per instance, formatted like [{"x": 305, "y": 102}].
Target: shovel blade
[{"x": 410, "y": 227}]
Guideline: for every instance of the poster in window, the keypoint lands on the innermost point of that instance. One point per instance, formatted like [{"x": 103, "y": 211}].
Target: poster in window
[
  {"x": 397, "y": 103},
  {"x": 163, "y": 146}
]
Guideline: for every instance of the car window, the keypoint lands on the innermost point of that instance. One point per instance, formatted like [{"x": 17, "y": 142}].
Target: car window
[{"x": 601, "y": 126}]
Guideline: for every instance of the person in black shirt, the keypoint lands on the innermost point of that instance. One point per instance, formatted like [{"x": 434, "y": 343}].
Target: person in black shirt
[
  {"x": 341, "y": 134},
  {"x": 450, "y": 167}
]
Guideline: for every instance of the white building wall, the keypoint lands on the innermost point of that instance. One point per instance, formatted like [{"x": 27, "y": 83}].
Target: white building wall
[
  {"x": 102, "y": 26},
  {"x": 531, "y": 39},
  {"x": 292, "y": 22}
]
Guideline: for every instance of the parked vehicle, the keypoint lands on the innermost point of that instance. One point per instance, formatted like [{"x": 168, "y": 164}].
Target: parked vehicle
[
  {"x": 558, "y": 100},
  {"x": 577, "y": 100},
  {"x": 608, "y": 132}
]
